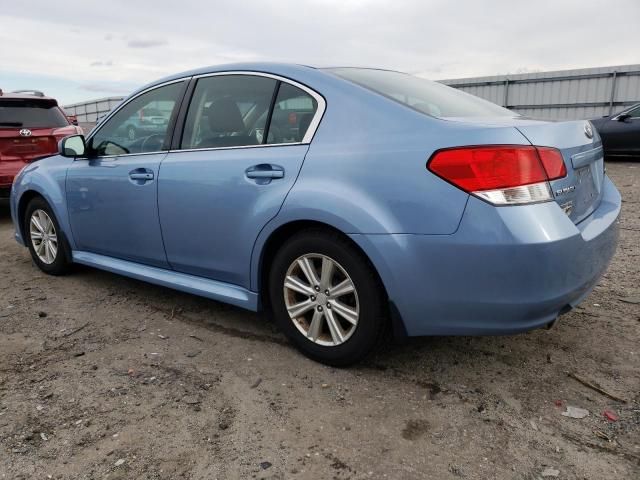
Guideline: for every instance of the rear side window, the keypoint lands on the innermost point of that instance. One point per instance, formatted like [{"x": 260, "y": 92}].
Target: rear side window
[
  {"x": 423, "y": 95},
  {"x": 228, "y": 111},
  {"x": 292, "y": 114},
  {"x": 233, "y": 111},
  {"x": 31, "y": 114}
]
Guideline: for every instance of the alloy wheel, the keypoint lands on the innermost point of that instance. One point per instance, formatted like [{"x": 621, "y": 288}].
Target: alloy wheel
[
  {"x": 43, "y": 236},
  {"x": 321, "y": 299}
]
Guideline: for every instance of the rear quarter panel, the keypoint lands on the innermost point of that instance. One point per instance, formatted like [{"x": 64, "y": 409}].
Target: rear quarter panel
[
  {"x": 366, "y": 166},
  {"x": 365, "y": 171}
]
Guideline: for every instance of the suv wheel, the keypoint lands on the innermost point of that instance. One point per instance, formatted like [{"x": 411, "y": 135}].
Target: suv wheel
[
  {"x": 131, "y": 133},
  {"x": 327, "y": 298},
  {"x": 45, "y": 239}
]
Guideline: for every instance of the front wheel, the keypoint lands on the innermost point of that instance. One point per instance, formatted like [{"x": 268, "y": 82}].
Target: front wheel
[
  {"x": 45, "y": 239},
  {"x": 327, "y": 298}
]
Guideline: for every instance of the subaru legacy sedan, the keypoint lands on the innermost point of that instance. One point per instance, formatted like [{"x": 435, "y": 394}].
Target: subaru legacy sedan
[{"x": 354, "y": 204}]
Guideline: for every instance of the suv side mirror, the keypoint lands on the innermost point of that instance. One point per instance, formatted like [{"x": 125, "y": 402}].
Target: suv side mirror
[
  {"x": 623, "y": 117},
  {"x": 72, "y": 147}
]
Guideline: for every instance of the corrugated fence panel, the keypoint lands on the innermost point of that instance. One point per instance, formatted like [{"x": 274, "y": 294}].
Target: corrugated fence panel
[
  {"x": 89, "y": 112},
  {"x": 559, "y": 95}
]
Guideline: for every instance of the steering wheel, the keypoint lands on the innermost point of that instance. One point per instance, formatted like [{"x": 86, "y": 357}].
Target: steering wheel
[{"x": 159, "y": 137}]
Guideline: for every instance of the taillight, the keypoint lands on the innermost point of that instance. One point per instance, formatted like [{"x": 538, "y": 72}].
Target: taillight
[
  {"x": 501, "y": 174},
  {"x": 552, "y": 162}
]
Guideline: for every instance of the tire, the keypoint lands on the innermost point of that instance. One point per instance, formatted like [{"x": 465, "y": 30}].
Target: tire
[
  {"x": 349, "y": 342},
  {"x": 131, "y": 133},
  {"x": 53, "y": 261}
]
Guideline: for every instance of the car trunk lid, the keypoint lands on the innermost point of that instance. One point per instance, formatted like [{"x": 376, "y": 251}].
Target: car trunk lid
[{"x": 580, "y": 192}]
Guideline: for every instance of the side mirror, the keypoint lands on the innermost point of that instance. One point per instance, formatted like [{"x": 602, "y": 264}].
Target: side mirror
[
  {"x": 623, "y": 117},
  {"x": 73, "y": 146}
]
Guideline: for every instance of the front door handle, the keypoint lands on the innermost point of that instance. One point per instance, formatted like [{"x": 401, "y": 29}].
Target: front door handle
[
  {"x": 141, "y": 175},
  {"x": 264, "y": 173}
]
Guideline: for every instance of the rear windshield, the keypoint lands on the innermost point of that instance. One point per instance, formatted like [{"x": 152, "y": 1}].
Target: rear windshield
[
  {"x": 31, "y": 114},
  {"x": 423, "y": 95}
]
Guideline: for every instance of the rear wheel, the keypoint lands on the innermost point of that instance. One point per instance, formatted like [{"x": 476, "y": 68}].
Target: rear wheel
[
  {"x": 327, "y": 298},
  {"x": 45, "y": 240}
]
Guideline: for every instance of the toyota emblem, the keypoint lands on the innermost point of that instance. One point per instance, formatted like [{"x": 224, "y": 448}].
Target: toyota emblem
[
  {"x": 588, "y": 131},
  {"x": 25, "y": 132}
]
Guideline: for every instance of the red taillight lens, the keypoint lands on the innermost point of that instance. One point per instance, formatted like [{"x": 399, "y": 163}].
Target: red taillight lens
[
  {"x": 552, "y": 162},
  {"x": 500, "y": 174},
  {"x": 488, "y": 168}
]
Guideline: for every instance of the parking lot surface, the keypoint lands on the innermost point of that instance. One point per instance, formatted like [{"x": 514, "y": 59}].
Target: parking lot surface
[{"x": 107, "y": 377}]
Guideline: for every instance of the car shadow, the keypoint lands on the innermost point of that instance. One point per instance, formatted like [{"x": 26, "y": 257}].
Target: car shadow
[
  {"x": 400, "y": 357},
  {"x": 5, "y": 213}
]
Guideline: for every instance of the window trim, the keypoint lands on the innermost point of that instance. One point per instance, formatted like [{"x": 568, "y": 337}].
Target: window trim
[
  {"x": 170, "y": 127},
  {"x": 308, "y": 136}
]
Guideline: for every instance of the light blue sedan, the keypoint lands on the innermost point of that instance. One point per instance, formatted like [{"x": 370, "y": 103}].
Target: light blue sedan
[{"x": 355, "y": 204}]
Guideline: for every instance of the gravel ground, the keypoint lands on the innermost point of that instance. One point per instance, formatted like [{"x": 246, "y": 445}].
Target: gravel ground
[{"x": 106, "y": 377}]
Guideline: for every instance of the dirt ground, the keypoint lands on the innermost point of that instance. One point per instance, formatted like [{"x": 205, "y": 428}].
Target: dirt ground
[{"x": 106, "y": 377}]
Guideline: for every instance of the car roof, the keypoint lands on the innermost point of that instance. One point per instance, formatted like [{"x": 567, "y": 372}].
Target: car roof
[
  {"x": 25, "y": 96},
  {"x": 298, "y": 72}
]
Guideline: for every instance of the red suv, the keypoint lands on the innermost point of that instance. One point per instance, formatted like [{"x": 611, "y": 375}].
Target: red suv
[{"x": 30, "y": 127}]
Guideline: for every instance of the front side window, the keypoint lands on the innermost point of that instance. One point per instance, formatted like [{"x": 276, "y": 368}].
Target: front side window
[
  {"x": 431, "y": 98},
  {"x": 141, "y": 126},
  {"x": 635, "y": 113},
  {"x": 228, "y": 111}
]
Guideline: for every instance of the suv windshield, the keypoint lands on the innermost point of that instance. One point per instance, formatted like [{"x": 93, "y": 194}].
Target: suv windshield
[
  {"x": 423, "y": 95},
  {"x": 31, "y": 114}
]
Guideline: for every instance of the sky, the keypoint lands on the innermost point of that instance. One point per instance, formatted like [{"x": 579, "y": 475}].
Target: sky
[{"x": 77, "y": 51}]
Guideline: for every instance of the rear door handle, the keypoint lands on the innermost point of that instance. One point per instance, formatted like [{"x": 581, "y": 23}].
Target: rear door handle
[{"x": 264, "y": 172}]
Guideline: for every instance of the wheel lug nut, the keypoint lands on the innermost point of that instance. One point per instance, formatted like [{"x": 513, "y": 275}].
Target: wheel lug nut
[
  {"x": 328, "y": 305},
  {"x": 317, "y": 288},
  {"x": 312, "y": 298},
  {"x": 319, "y": 308},
  {"x": 326, "y": 292}
]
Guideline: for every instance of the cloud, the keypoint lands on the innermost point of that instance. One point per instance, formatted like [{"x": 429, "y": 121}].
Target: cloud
[
  {"x": 104, "y": 88},
  {"x": 433, "y": 38},
  {"x": 146, "y": 43},
  {"x": 99, "y": 63}
]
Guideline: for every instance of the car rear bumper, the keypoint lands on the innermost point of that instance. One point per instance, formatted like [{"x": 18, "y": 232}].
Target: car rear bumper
[{"x": 505, "y": 270}]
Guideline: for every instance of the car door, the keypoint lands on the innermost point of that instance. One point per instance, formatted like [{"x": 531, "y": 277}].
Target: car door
[
  {"x": 622, "y": 133},
  {"x": 112, "y": 195},
  {"x": 231, "y": 171}
]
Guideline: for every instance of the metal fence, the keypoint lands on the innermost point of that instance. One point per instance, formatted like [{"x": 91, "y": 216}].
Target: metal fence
[
  {"x": 566, "y": 94},
  {"x": 89, "y": 112}
]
